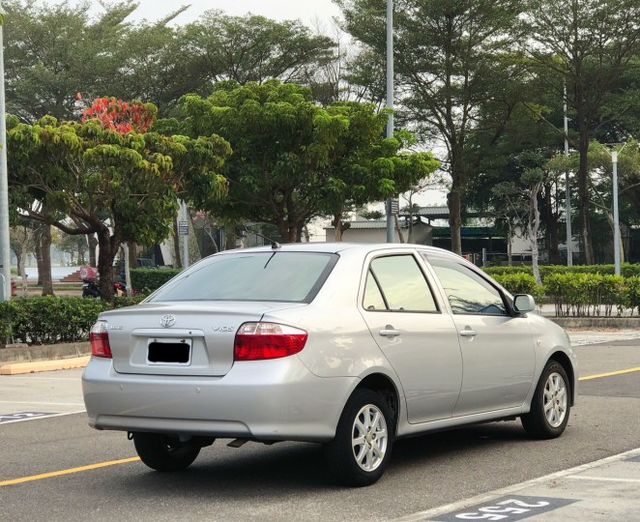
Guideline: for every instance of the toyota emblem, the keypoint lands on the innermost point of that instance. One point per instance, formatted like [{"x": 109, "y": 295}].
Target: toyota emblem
[{"x": 167, "y": 321}]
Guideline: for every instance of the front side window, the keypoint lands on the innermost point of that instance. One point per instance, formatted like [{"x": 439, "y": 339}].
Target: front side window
[
  {"x": 396, "y": 284},
  {"x": 468, "y": 292}
]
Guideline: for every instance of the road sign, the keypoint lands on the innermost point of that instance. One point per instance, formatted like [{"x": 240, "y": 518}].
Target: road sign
[
  {"x": 183, "y": 228},
  {"x": 395, "y": 206}
]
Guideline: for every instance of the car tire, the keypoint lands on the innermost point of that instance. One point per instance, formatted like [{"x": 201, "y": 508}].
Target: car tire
[
  {"x": 165, "y": 452},
  {"x": 551, "y": 404},
  {"x": 360, "y": 451}
]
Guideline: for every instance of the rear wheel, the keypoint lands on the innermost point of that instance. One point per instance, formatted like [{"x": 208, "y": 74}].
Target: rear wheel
[
  {"x": 360, "y": 451},
  {"x": 550, "y": 406},
  {"x": 165, "y": 452}
]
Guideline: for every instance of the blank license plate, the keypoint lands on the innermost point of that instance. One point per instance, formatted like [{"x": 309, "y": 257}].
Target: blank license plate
[{"x": 169, "y": 351}]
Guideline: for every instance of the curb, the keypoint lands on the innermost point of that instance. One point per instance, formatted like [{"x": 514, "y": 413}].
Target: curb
[
  {"x": 595, "y": 323},
  {"x": 44, "y": 366},
  {"x": 22, "y": 353}
]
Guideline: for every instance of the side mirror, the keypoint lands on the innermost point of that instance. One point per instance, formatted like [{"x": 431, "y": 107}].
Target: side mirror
[{"x": 524, "y": 303}]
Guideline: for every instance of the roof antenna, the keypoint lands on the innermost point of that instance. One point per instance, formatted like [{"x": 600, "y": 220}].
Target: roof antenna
[{"x": 274, "y": 244}]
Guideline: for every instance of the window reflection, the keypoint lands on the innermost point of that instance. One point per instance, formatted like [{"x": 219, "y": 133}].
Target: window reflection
[
  {"x": 401, "y": 284},
  {"x": 468, "y": 292}
]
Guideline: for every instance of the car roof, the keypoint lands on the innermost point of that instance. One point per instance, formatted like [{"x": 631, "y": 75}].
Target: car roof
[{"x": 335, "y": 248}]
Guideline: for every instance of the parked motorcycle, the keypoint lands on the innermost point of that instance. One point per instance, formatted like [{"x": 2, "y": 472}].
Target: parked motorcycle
[{"x": 91, "y": 284}]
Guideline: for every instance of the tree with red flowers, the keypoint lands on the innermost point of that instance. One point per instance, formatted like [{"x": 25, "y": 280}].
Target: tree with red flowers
[
  {"x": 120, "y": 116},
  {"x": 99, "y": 178}
]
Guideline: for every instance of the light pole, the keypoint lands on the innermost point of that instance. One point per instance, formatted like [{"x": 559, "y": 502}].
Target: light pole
[
  {"x": 567, "y": 211},
  {"x": 616, "y": 216},
  {"x": 5, "y": 257},
  {"x": 390, "y": 231}
]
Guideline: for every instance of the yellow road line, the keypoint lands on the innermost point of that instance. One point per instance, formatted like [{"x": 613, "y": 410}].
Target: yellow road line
[
  {"x": 70, "y": 471},
  {"x": 609, "y": 374}
]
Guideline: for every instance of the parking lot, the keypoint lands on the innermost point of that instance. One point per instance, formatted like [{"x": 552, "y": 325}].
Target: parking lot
[{"x": 57, "y": 468}]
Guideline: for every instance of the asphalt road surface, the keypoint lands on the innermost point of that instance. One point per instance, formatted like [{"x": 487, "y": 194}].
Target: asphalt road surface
[{"x": 286, "y": 481}]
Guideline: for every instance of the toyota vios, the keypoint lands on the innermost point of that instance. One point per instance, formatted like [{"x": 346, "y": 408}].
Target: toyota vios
[{"x": 351, "y": 346}]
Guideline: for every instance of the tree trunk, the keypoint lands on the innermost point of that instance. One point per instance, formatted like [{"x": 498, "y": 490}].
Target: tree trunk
[
  {"x": 93, "y": 243},
  {"x": 533, "y": 228},
  {"x": 455, "y": 218},
  {"x": 509, "y": 246},
  {"x": 133, "y": 255},
  {"x": 339, "y": 226},
  {"x": 177, "y": 259},
  {"x": 127, "y": 264},
  {"x": 106, "y": 255},
  {"x": 19, "y": 260},
  {"x": 398, "y": 229},
  {"x": 454, "y": 198},
  {"x": 337, "y": 223},
  {"x": 37, "y": 248},
  {"x": 45, "y": 254},
  {"x": 550, "y": 221},
  {"x": 583, "y": 196},
  {"x": 230, "y": 238}
]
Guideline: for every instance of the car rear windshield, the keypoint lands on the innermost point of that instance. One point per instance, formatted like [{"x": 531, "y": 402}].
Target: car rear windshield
[{"x": 256, "y": 276}]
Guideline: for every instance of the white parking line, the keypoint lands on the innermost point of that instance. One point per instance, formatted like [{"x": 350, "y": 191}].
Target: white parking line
[
  {"x": 603, "y": 479},
  {"x": 44, "y": 403},
  {"x": 480, "y": 499},
  {"x": 44, "y": 417}
]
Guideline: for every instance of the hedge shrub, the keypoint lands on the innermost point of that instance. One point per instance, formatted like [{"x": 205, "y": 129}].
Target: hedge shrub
[
  {"x": 628, "y": 270},
  {"x": 147, "y": 280},
  {"x": 520, "y": 283},
  {"x": 50, "y": 320},
  {"x": 592, "y": 294}
]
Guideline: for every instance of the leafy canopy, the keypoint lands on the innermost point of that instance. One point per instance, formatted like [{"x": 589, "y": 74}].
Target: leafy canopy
[{"x": 294, "y": 160}]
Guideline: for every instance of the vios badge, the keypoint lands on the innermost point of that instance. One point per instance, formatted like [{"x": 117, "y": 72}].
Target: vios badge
[{"x": 167, "y": 321}]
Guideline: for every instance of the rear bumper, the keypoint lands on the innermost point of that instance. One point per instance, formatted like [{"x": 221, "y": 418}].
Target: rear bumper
[{"x": 262, "y": 400}]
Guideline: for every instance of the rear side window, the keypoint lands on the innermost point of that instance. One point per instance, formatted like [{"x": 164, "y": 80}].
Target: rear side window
[
  {"x": 396, "y": 284},
  {"x": 256, "y": 276}
]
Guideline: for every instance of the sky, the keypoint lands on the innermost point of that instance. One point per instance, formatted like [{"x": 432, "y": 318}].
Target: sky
[{"x": 308, "y": 11}]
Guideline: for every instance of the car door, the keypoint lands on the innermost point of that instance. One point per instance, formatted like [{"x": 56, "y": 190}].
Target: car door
[
  {"x": 417, "y": 338},
  {"x": 497, "y": 348}
]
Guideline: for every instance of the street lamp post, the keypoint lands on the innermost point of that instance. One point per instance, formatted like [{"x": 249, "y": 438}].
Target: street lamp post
[
  {"x": 5, "y": 257},
  {"x": 567, "y": 211},
  {"x": 390, "y": 230},
  {"x": 616, "y": 215}
]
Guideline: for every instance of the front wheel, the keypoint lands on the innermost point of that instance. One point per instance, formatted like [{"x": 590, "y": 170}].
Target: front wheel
[
  {"x": 550, "y": 405},
  {"x": 360, "y": 451},
  {"x": 165, "y": 452}
]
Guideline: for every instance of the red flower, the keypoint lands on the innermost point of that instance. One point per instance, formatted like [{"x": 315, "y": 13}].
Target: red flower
[{"x": 120, "y": 116}]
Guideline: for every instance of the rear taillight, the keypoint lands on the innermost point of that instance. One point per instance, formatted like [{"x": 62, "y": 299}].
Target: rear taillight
[
  {"x": 258, "y": 341},
  {"x": 99, "y": 338}
]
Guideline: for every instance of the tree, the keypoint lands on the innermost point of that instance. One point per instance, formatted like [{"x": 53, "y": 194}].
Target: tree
[
  {"x": 123, "y": 187},
  {"x": 366, "y": 167},
  {"x": 60, "y": 54},
  {"x": 448, "y": 64},
  {"x": 120, "y": 116},
  {"x": 591, "y": 44},
  {"x": 75, "y": 246},
  {"x": 21, "y": 239},
  {"x": 55, "y": 51},
  {"x": 520, "y": 199},
  {"x": 294, "y": 160},
  {"x": 250, "y": 49},
  {"x": 600, "y": 174}
]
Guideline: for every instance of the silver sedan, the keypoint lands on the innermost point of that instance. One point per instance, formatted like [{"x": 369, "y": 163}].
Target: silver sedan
[{"x": 351, "y": 346}]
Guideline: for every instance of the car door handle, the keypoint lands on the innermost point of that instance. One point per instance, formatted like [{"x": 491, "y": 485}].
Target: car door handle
[
  {"x": 389, "y": 331},
  {"x": 468, "y": 332}
]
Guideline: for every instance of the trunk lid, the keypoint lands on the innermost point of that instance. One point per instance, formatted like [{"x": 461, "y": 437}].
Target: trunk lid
[{"x": 181, "y": 338}]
